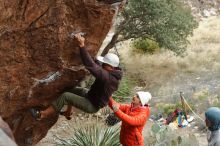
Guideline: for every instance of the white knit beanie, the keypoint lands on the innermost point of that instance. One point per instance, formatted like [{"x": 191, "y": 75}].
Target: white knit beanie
[{"x": 145, "y": 97}]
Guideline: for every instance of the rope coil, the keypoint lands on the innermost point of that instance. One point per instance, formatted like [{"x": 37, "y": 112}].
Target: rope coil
[{"x": 192, "y": 110}]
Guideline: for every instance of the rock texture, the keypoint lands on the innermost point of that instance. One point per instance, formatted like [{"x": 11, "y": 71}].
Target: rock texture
[{"x": 39, "y": 60}]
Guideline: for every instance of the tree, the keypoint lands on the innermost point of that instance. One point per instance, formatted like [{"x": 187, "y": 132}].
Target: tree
[{"x": 167, "y": 22}]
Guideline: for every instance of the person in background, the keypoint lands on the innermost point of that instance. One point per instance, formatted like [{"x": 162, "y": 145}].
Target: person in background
[
  {"x": 133, "y": 116},
  {"x": 107, "y": 78},
  {"x": 212, "y": 121}
]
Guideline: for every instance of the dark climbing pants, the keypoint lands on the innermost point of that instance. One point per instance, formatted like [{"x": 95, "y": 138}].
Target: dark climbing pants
[{"x": 77, "y": 98}]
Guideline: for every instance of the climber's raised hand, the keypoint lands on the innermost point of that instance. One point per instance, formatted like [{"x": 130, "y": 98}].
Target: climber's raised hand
[{"x": 80, "y": 39}]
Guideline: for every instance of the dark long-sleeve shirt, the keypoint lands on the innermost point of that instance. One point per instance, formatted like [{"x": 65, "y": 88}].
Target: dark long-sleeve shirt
[{"x": 106, "y": 82}]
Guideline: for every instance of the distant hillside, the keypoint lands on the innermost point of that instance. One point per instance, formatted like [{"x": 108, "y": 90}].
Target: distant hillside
[{"x": 204, "y": 8}]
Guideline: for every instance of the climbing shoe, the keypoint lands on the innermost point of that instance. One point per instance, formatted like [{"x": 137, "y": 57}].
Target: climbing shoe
[
  {"x": 35, "y": 113},
  {"x": 63, "y": 113}
]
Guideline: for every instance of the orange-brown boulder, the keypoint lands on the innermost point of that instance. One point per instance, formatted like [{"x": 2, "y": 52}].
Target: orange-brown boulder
[{"x": 39, "y": 59}]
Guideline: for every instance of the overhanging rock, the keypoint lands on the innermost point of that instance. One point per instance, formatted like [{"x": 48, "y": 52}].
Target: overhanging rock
[{"x": 39, "y": 60}]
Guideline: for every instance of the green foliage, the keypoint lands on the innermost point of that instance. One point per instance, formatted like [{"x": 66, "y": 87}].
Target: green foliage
[
  {"x": 203, "y": 95},
  {"x": 217, "y": 104},
  {"x": 168, "y": 108},
  {"x": 155, "y": 128},
  {"x": 125, "y": 89},
  {"x": 163, "y": 136},
  {"x": 93, "y": 135},
  {"x": 218, "y": 97},
  {"x": 145, "y": 45},
  {"x": 168, "y": 22}
]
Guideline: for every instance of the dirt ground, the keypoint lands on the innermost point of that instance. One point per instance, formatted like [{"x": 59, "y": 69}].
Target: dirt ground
[{"x": 63, "y": 129}]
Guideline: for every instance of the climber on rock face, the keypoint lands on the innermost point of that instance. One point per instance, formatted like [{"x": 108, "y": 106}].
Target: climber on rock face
[{"x": 107, "y": 77}]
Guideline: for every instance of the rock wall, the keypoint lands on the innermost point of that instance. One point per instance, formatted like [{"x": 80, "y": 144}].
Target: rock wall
[{"x": 39, "y": 60}]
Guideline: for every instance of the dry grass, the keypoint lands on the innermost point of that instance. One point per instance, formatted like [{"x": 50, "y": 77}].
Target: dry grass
[{"x": 158, "y": 69}]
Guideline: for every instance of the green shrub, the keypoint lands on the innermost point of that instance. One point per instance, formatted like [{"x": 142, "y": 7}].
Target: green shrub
[
  {"x": 201, "y": 95},
  {"x": 164, "y": 136},
  {"x": 125, "y": 89},
  {"x": 145, "y": 46},
  {"x": 168, "y": 22},
  {"x": 204, "y": 95},
  {"x": 169, "y": 108},
  {"x": 218, "y": 97},
  {"x": 93, "y": 135},
  {"x": 217, "y": 104}
]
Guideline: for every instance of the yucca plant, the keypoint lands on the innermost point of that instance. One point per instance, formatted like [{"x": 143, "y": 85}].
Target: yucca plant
[{"x": 93, "y": 135}]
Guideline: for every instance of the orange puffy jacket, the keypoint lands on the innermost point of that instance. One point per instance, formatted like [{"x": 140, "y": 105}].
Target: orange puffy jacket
[{"x": 133, "y": 121}]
